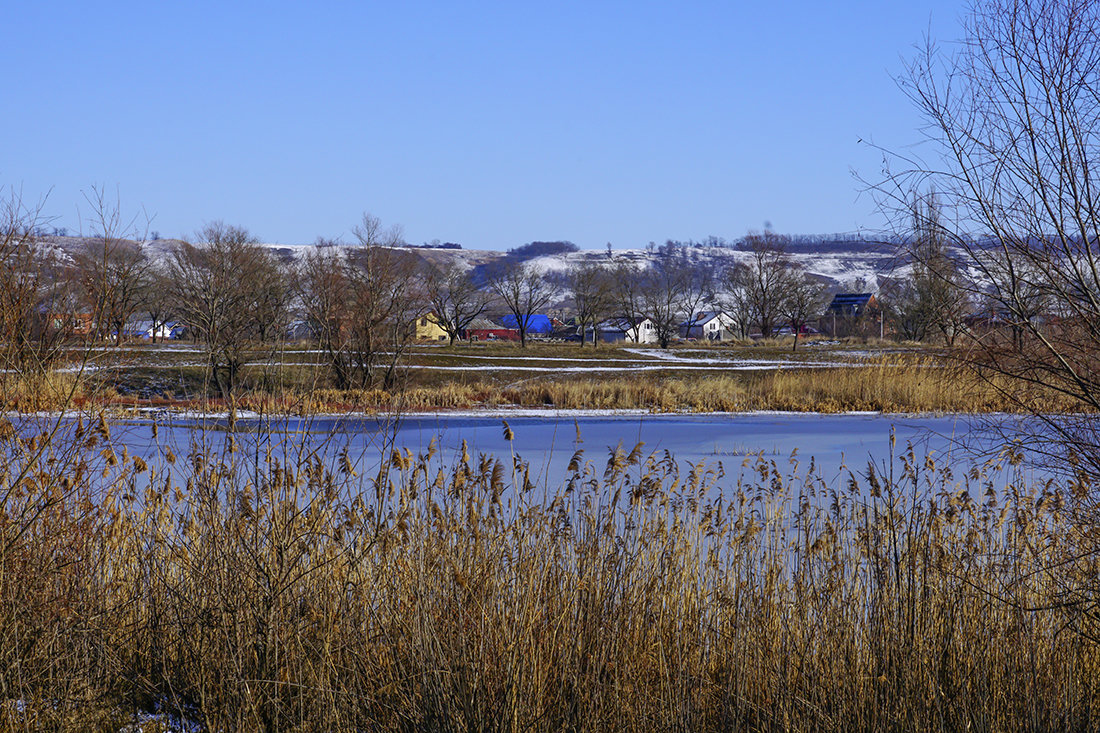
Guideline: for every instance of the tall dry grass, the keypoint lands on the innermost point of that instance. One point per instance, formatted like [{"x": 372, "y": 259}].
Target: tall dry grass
[
  {"x": 282, "y": 590},
  {"x": 35, "y": 391},
  {"x": 887, "y": 385}
]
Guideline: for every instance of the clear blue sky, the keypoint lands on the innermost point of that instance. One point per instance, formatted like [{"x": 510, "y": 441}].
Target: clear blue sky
[{"x": 491, "y": 124}]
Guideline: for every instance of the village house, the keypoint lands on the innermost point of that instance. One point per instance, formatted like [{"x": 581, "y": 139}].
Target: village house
[
  {"x": 852, "y": 314},
  {"x": 632, "y": 332},
  {"x": 428, "y": 328},
  {"x": 851, "y": 305},
  {"x": 77, "y": 324},
  {"x": 538, "y": 325},
  {"x": 709, "y": 326},
  {"x": 146, "y": 330},
  {"x": 482, "y": 329}
]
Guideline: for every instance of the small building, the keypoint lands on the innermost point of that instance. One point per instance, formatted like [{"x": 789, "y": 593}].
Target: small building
[
  {"x": 625, "y": 330},
  {"x": 428, "y": 328},
  {"x": 853, "y": 314},
  {"x": 77, "y": 324},
  {"x": 538, "y": 325},
  {"x": 150, "y": 332},
  {"x": 709, "y": 326},
  {"x": 569, "y": 330},
  {"x": 483, "y": 329},
  {"x": 851, "y": 305}
]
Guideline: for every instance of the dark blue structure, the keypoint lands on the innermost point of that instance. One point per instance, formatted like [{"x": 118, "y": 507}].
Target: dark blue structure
[{"x": 535, "y": 323}]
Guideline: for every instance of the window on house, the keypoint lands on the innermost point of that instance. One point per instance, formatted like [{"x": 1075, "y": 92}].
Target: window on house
[{"x": 423, "y": 321}]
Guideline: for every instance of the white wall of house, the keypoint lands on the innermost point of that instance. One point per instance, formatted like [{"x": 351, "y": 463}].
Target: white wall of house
[
  {"x": 144, "y": 330},
  {"x": 642, "y": 333},
  {"x": 719, "y": 327}
]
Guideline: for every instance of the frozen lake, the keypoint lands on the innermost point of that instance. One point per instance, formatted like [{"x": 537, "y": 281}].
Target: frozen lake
[{"x": 837, "y": 443}]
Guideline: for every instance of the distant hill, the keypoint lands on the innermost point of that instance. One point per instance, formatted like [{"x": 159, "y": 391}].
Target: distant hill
[{"x": 843, "y": 262}]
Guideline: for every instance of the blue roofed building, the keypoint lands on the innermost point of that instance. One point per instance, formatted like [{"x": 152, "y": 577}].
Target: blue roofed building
[{"x": 539, "y": 325}]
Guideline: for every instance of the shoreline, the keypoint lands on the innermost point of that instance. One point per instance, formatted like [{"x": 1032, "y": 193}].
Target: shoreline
[{"x": 144, "y": 414}]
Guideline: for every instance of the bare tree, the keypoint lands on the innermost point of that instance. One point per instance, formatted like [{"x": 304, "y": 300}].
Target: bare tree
[
  {"x": 1011, "y": 124},
  {"x": 907, "y": 310},
  {"x": 629, "y": 295},
  {"x": 157, "y": 302},
  {"x": 735, "y": 297},
  {"x": 216, "y": 289},
  {"x": 669, "y": 293},
  {"x": 37, "y": 312},
  {"x": 454, "y": 300},
  {"x": 111, "y": 268},
  {"x": 936, "y": 278},
  {"x": 270, "y": 287},
  {"x": 698, "y": 287},
  {"x": 764, "y": 279},
  {"x": 804, "y": 298},
  {"x": 932, "y": 297},
  {"x": 523, "y": 291},
  {"x": 593, "y": 296},
  {"x": 321, "y": 283},
  {"x": 362, "y": 303}
]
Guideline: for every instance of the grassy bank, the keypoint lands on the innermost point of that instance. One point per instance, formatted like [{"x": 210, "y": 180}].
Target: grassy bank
[
  {"x": 285, "y": 592},
  {"x": 887, "y": 385},
  {"x": 902, "y": 382}
]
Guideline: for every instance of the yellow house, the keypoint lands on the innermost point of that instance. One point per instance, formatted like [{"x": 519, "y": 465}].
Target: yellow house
[{"x": 427, "y": 327}]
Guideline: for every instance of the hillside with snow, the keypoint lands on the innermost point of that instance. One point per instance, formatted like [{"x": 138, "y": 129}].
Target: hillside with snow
[
  {"x": 842, "y": 264},
  {"x": 858, "y": 266}
]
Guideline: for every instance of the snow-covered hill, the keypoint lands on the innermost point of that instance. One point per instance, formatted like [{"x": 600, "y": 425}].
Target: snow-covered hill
[
  {"x": 842, "y": 265},
  {"x": 863, "y": 269}
]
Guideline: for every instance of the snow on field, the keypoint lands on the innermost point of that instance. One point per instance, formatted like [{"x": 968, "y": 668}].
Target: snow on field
[
  {"x": 530, "y": 358},
  {"x": 591, "y": 366},
  {"x": 662, "y": 367}
]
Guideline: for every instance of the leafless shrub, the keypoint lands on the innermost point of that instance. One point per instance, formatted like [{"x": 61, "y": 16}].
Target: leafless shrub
[{"x": 37, "y": 310}]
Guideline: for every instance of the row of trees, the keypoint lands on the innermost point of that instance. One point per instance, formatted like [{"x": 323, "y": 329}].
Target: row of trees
[{"x": 360, "y": 302}]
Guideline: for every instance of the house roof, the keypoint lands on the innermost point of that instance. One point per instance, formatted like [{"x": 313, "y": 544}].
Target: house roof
[
  {"x": 620, "y": 324},
  {"x": 535, "y": 323},
  {"x": 483, "y": 324},
  {"x": 849, "y": 301},
  {"x": 702, "y": 318},
  {"x": 147, "y": 324}
]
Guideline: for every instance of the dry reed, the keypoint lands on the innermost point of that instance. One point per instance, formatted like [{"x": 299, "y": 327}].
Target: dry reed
[
  {"x": 887, "y": 385},
  {"x": 281, "y": 590}
]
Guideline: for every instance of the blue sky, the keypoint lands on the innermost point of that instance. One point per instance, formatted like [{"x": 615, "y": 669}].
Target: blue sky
[{"x": 490, "y": 124}]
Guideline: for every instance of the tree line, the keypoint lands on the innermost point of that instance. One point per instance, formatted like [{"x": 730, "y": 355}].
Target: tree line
[{"x": 361, "y": 301}]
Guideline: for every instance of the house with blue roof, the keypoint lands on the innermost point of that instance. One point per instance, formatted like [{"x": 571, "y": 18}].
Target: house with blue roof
[{"x": 537, "y": 325}]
